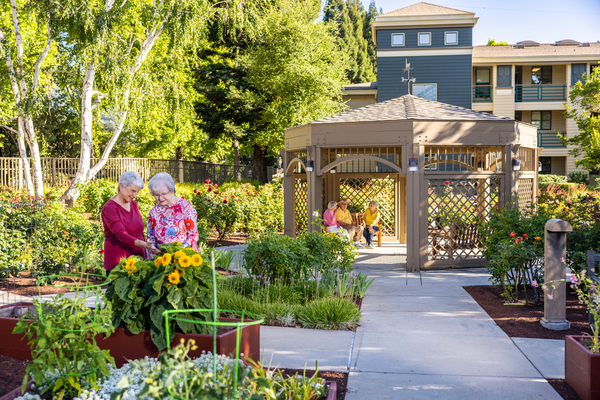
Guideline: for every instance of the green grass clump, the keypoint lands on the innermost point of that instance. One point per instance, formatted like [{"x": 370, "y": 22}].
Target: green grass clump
[{"x": 334, "y": 313}]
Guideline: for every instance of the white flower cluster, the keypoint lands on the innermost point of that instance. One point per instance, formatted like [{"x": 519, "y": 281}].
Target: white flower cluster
[{"x": 137, "y": 371}]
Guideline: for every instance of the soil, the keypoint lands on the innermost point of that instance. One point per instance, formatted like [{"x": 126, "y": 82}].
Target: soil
[
  {"x": 340, "y": 378},
  {"x": 11, "y": 374},
  {"x": 229, "y": 241},
  {"x": 25, "y": 286},
  {"x": 524, "y": 321}
]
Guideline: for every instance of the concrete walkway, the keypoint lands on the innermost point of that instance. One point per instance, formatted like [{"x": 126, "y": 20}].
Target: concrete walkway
[{"x": 422, "y": 337}]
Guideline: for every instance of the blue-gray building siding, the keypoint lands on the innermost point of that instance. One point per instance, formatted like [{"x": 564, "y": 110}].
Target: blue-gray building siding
[
  {"x": 384, "y": 37},
  {"x": 451, "y": 73}
]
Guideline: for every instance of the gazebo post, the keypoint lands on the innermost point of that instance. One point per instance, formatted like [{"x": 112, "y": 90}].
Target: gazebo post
[
  {"x": 413, "y": 202},
  {"x": 288, "y": 198},
  {"x": 315, "y": 188}
]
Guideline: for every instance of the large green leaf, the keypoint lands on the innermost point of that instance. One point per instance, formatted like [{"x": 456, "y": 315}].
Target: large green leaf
[
  {"x": 175, "y": 297},
  {"x": 122, "y": 288}
]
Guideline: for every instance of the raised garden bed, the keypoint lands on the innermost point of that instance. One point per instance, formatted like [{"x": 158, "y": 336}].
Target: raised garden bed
[
  {"x": 123, "y": 345},
  {"x": 582, "y": 369}
]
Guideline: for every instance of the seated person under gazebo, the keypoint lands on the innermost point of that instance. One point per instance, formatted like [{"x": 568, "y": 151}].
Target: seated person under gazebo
[
  {"x": 344, "y": 218},
  {"x": 371, "y": 219},
  {"x": 329, "y": 219}
]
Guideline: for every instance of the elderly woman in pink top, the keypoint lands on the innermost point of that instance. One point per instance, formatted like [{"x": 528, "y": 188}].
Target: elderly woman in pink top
[{"x": 329, "y": 218}]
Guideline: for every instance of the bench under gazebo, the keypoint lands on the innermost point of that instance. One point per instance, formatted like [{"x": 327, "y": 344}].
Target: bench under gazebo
[{"x": 435, "y": 170}]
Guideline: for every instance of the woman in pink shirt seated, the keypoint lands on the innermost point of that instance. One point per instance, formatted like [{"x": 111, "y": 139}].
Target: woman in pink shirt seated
[
  {"x": 123, "y": 223},
  {"x": 173, "y": 219},
  {"x": 329, "y": 218}
]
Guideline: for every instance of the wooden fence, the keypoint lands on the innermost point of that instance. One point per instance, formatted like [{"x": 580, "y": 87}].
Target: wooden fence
[{"x": 57, "y": 171}]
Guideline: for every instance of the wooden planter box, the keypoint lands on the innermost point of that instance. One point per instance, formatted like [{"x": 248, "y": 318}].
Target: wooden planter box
[
  {"x": 582, "y": 369},
  {"x": 123, "y": 345}
]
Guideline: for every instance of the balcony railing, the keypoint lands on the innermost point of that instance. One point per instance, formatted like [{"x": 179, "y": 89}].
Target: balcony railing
[
  {"x": 550, "y": 139},
  {"x": 482, "y": 93},
  {"x": 540, "y": 93}
]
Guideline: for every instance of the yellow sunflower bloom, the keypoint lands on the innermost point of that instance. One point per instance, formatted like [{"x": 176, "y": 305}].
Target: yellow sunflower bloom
[
  {"x": 178, "y": 255},
  {"x": 185, "y": 261},
  {"x": 174, "y": 278},
  {"x": 177, "y": 243},
  {"x": 130, "y": 262},
  {"x": 180, "y": 273},
  {"x": 196, "y": 260},
  {"x": 166, "y": 259},
  {"x": 131, "y": 269},
  {"x": 158, "y": 262}
]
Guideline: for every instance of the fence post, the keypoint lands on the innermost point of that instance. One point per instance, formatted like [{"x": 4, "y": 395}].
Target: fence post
[
  {"x": 20, "y": 173},
  {"x": 54, "y": 172},
  {"x": 555, "y": 252}
]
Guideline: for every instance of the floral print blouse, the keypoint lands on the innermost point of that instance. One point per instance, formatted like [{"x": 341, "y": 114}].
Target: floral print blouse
[{"x": 177, "y": 223}]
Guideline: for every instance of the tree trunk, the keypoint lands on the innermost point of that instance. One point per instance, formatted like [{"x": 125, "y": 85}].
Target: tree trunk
[
  {"x": 259, "y": 170},
  {"x": 24, "y": 159},
  {"x": 38, "y": 179},
  {"x": 85, "y": 157},
  {"x": 236, "y": 160}
]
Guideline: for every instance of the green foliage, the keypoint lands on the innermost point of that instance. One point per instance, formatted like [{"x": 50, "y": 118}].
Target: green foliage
[
  {"x": 560, "y": 191},
  {"x": 513, "y": 245},
  {"x": 330, "y": 313},
  {"x": 143, "y": 290},
  {"x": 584, "y": 108},
  {"x": 493, "y": 42},
  {"x": 46, "y": 238},
  {"x": 281, "y": 257},
  {"x": 589, "y": 295},
  {"x": 547, "y": 179},
  {"x": 578, "y": 177},
  {"x": 351, "y": 21},
  {"x": 65, "y": 355}
]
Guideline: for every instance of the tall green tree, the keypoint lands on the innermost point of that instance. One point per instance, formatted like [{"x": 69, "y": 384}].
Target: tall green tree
[
  {"x": 349, "y": 17},
  {"x": 585, "y": 110},
  {"x": 368, "y": 33}
]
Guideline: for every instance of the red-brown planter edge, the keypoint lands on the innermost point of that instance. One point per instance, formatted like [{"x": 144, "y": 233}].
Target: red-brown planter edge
[
  {"x": 124, "y": 346},
  {"x": 582, "y": 369},
  {"x": 13, "y": 394},
  {"x": 332, "y": 395}
]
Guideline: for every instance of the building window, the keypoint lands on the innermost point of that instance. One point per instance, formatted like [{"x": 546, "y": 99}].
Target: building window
[
  {"x": 450, "y": 37},
  {"x": 541, "y": 75},
  {"x": 427, "y": 91},
  {"x": 482, "y": 76},
  {"x": 542, "y": 119},
  {"x": 397, "y": 39},
  {"x": 519, "y": 116},
  {"x": 546, "y": 165},
  {"x": 424, "y": 38}
]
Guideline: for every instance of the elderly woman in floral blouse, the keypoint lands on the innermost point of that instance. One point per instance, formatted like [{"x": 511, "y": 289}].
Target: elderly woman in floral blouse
[{"x": 172, "y": 219}]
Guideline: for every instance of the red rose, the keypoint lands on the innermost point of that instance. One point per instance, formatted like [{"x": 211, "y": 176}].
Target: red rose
[
  {"x": 210, "y": 189},
  {"x": 512, "y": 234},
  {"x": 206, "y": 181},
  {"x": 225, "y": 201},
  {"x": 195, "y": 190},
  {"x": 183, "y": 197},
  {"x": 516, "y": 240},
  {"x": 101, "y": 251},
  {"x": 525, "y": 235},
  {"x": 254, "y": 194},
  {"x": 74, "y": 238},
  {"x": 238, "y": 199},
  {"x": 447, "y": 182},
  {"x": 232, "y": 195},
  {"x": 248, "y": 193},
  {"x": 68, "y": 182}
]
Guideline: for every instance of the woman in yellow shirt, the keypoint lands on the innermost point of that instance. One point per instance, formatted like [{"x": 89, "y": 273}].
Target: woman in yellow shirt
[{"x": 371, "y": 219}]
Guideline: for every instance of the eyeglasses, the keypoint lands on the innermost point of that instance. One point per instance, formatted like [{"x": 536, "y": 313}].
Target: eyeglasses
[{"x": 158, "y": 196}]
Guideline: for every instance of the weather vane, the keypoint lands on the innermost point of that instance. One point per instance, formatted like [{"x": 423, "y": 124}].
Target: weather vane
[{"x": 407, "y": 68}]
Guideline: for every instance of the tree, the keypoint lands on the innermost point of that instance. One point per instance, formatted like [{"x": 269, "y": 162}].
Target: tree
[
  {"x": 492, "y": 42},
  {"x": 25, "y": 59},
  {"x": 298, "y": 70},
  {"x": 349, "y": 16},
  {"x": 368, "y": 35},
  {"x": 585, "y": 110}
]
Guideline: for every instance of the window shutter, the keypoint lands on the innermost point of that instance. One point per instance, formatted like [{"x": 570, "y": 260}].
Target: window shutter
[
  {"x": 504, "y": 75},
  {"x": 576, "y": 71}
]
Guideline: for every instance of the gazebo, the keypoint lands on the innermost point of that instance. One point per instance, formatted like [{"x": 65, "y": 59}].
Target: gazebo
[{"x": 436, "y": 171}]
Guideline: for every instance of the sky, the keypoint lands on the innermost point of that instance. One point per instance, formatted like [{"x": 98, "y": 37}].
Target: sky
[{"x": 545, "y": 21}]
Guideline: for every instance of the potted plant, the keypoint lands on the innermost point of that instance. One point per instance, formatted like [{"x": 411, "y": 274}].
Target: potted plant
[{"x": 582, "y": 353}]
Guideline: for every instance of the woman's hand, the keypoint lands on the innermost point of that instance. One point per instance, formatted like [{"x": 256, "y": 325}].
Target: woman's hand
[{"x": 150, "y": 246}]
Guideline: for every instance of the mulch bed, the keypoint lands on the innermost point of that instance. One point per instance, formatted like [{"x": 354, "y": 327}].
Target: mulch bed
[
  {"x": 25, "y": 286},
  {"x": 11, "y": 374},
  {"x": 524, "y": 321},
  {"x": 228, "y": 241},
  {"x": 340, "y": 378}
]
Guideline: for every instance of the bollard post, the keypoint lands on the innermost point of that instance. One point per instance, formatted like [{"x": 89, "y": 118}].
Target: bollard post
[{"x": 555, "y": 271}]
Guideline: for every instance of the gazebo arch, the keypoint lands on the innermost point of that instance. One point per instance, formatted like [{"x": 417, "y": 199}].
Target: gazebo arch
[{"x": 461, "y": 168}]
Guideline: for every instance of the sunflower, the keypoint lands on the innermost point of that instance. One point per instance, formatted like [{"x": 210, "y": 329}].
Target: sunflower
[
  {"x": 131, "y": 269},
  {"x": 180, "y": 272},
  {"x": 158, "y": 262},
  {"x": 174, "y": 277},
  {"x": 166, "y": 259},
  {"x": 130, "y": 263},
  {"x": 196, "y": 260},
  {"x": 178, "y": 254},
  {"x": 177, "y": 243},
  {"x": 185, "y": 261}
]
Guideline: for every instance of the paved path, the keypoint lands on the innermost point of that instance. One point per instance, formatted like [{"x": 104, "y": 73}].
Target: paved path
[{"x": 423, "y": 337}]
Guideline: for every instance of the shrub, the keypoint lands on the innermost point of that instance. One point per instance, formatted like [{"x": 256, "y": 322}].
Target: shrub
[
  {"x": 143, "y": 290},
  {"x": 547, "y": 179},
  {"x": 330, "y": 313},
  {"x": 578, "y": 177}
]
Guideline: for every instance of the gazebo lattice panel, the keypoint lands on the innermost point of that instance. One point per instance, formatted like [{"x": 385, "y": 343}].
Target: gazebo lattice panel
[
  {"x": 393, "y": 154},
  {"x": 456, "y": 208},
  {"x": 360, "y": 191},
  {"x": 464, "y": 158},
  {"x": 300, "y": 205},
  {"x": 525, "y": 193}
]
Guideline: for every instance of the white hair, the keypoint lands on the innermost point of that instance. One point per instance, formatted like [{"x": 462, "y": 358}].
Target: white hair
[
  {"x": 331, "y": 205},
  {"x": 162, "y": 178},
  {"x": 374, "y": 203},
  {"x": 131, "y": 178}
]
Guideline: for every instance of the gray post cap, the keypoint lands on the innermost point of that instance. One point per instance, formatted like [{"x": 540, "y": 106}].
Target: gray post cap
[{"x": 558, "y": 225}]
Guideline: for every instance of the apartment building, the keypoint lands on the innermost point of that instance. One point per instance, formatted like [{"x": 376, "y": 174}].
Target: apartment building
[{"x": 527, "y": 81}]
